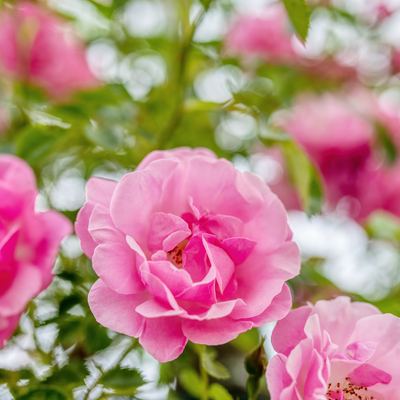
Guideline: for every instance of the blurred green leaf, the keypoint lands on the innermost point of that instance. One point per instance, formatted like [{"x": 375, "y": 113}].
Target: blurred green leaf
[
  {"x": 299, "y": 14},
  {"x": 192, "y": 383},
  {"x": 122, "y": 380},
  {"x": 71, "y": 374},
  {"x": 43, "y": 394},
  {"x": 246, "y": 341},
  {"x": 386, "y": 145},
  {"x": 218, "y": 392},
  {"x": 213, "y": 367},
  {"x": 96, "y": 336},
  {"x": 34, "y": 143}
]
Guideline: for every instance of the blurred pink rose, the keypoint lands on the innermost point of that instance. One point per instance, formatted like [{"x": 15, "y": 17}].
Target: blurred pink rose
[
  {"x": 37, "y": 46},
  {"x": 335, "y": 350},
  {"x": 268, "y": 36},
  {"x": 186, "y": 248},
  {"x": 339, "y": 132},
  {"x": 29, "y": 242}
]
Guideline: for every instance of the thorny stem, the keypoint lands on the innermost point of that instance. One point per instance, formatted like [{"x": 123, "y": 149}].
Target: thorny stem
[
  {"x": 122, "y": 356},
  {"x": 177, "y": 113}
]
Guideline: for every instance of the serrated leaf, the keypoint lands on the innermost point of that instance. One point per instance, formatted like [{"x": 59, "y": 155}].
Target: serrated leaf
[
  {"x": 218, "y": 392},
  {"x": 213, "y": 367},
  {"x": 192, "y": 383},
  {"x": 122, "y": 380},
  {"x": 299, "y": 14}
]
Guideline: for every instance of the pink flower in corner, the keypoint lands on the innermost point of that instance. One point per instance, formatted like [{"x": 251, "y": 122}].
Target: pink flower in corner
[
  {"x": 268, "y": 36},
  {"x": 37, "y": 46},
  {"x": 186, "y": 248},
  {"x": 29, "y": 242},
  {"x": 339, "y": 133},
  {"x": 335, "y": 350}
]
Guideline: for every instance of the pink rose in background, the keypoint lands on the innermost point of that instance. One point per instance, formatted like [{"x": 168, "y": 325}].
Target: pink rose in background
[
  {"x": 268, "y": 37},
  {"x": 186, "y": 248},
  {"x": 37, "y": 46},
  {"x": 339, "y": 132},
  {"x": 29, "y": 242},
  {"x": 335, "y": 350}
]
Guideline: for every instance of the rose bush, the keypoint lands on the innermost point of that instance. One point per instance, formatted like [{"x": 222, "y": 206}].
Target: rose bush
[
  {"x": 29, "y": 242},
  {"x": 186, "y": 248},
  {"x": 37, "y": 46},
  {"x": 335, "y": 350}
]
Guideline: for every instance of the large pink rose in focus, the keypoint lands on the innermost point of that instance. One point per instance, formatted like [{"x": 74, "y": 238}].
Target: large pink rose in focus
[
  {"x": 29, "y": 242},
  {"x": 335, "y": 350},
  {"x": 186, "y": 248},
  {"x": 37, "y": 46}
]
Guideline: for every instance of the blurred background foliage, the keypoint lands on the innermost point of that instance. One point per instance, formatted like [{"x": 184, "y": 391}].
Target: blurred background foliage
[{"x": 167, "y": 79}]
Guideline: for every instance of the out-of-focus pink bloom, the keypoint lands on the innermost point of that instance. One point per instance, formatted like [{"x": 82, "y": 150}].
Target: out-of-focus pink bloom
[
  {"x": 37, "y": 46},
  {"x": 339, "y": 132},
  {"x": 29, "y": 242},
  {"x": 395, "y": 61},
  {"x": 335, "y": 350},
  {"x": 186, "y": 248},
  {"x": 268, "y": 37}
]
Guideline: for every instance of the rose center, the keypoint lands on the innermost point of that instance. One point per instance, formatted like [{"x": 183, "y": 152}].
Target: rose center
[
  {"x": 348, "y": 391},
  {"x": 175, "y": 255}
]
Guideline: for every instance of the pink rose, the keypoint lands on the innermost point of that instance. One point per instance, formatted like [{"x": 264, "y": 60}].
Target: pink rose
[
  {"x": 335, "y": 350},
  {"x": 29, "y": 242},
  {"x": 37, "y": 46},
  {"x": 268, "y": 37},
  {"x": 186, "y": 248},
  {"x": 339, "y": 133}
]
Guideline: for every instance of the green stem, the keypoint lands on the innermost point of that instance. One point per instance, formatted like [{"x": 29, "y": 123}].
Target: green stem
[
  {"x": 204, "y": 377},
  {"x": 122, "y": 356},
  {"x": 177, "y": 113}
]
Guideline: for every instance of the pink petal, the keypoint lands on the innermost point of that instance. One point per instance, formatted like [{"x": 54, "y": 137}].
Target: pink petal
[
  {"x": 163, "y": 338},
  {"x": 7, "y": 327},
  {"x": 277, "y": 376},
  {"x": 224, "y": 226},
  {"x": 117, "y": 311},
  {"x": 27, "y": 283},
  {"x": 238, "y": 248},
  {"x": 260, "y": 279},
  {"x": 166, "y": 232},
  {"x": 361, "y": 351},
  {"x": 289, "y": 331},
  {"x": 222, "y": 263},
  {"x": 214, "y": 332},
  {"x": 278, "y": 309},
  {"x": 98, "y": 191},
  {"x": 177, "y": 280},
  {"x": 368, "y": 375},
  {"x": 139, "y": 195},
  {"x": 155, "y": 309}
]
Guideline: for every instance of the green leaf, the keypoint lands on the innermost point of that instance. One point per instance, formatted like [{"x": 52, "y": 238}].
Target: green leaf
[
  {"x": 36, "y": 142},
  {"x": 192, "y": 383},
  {"x": 96, "y": 336},
  {"x": 386, "y": 145},
  {"x": 206, "y": 3},
  {"x": 122, "y": 380},
  {"x": 213, "y": 367},
  {"x": 43, "y": 394},
  {"x": 304, "y": 177},
  {"x": 71, "y": 374},
  {"x": 246, "y": 341},
  {"x": 218, "y": 392},
  {"x": 299, "y": 14}
]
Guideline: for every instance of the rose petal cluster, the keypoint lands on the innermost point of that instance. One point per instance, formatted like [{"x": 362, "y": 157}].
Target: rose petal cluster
[
  {"x": 341, "y": 134},
  {"x": 335, "y": 350},
  {"x": 186, "y": 248},
  {"x": 37, "y": 46},
  {"x": 29, "y": 242}
]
